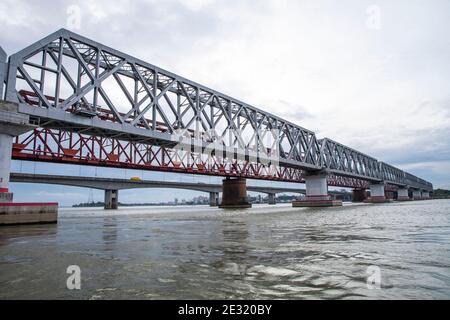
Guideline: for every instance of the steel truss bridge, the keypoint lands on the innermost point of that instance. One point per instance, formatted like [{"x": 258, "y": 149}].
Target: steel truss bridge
[{"x": 94, "y": 105}]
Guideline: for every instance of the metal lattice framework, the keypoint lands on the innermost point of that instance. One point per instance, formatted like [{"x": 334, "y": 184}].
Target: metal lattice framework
[
  {"x": 75, "y": 86},
  {"x": 345, "y": 161},
  {"x": 50, "y": 145}
]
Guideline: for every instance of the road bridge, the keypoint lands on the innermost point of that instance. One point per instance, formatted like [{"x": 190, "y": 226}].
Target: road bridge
[{"x": 113, "y": 185}]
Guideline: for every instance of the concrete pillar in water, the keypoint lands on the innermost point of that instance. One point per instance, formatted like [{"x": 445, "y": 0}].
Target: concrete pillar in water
[
  {"x": 234, "y": 194},
  {"x": 417, "y": 195},
  {"x": 425, "y": 195},
  {"x": 377, "y": 194},
  {"x": 317, "y": 193},
  {"x": 272, "y": 199},
  {"x": 213, "y": 199},
  {"x": 111, "y": 199},
  {"x": 402, "y": 194},
  {"x": 359, "y": 195}
]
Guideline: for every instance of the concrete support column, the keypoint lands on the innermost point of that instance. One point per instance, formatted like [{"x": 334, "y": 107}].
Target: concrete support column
[
  {"x": 317, "y": 193},
  {"x": 417, "y": 195},
  {"x": 377, "y": 194},
  {"x": 317, "y": 187},
  {"x": 12, "y": 124},
  {"x": 213, "y": 199},
  {"x": 111, "y": 199},
  {"x": 272, "y": 199},
  {"x": 234, "y": 194},
  {"x": 6, "y": 142},
  {"x": 425, "y": 195},
  {"x": 359, "y": 195},
  {"x": 402, "y": 194}
]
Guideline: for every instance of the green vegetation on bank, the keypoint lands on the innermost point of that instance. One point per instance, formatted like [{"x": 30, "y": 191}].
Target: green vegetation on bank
[{"x": 441, "y": 193}]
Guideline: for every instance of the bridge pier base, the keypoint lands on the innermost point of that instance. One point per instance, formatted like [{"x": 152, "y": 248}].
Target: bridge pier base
[
  {"x": 272, "y": 199},
  {"x": 317, "y": 193},
  {"x": 425, "y": 195},
  {"x": 213, "y": 199},
  {"x": 417, "y": 195},
  {"x": 359, "y": 195},
  {"x": 402, "y": 195},
  {"x": 234, "y": 194},
  {"x": 111, "y": 199},
  {"x": 377, "y": 194}
]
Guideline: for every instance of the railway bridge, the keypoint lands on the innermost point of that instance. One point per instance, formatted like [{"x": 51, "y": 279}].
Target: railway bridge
[{"x": 68, "y": 99}]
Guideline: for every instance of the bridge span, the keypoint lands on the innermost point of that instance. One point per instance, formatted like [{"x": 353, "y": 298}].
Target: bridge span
[
  {"x": 113, "y": 185},
  {"x": 69, "y": 99}
]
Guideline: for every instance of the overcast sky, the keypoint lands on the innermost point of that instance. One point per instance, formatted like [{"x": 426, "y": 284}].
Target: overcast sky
[{"x": 373, "y": 75}]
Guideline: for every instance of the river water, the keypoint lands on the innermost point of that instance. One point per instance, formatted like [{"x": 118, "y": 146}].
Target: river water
[{"x": 265, "y": 252}]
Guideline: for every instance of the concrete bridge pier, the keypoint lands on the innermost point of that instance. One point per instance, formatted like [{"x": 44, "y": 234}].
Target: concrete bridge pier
[
  {"x": 417, "y": 195},
  {"x": 425, "y": 195},
  {"x": 213, "y": 199},
  {"x": 234, "y": 194},
  {"x": 377, "y": 194},
  {"x": 402, "y": 195},
  {"x": 272, "y": 199},
  {"x": 359, "y": 195},
  {"x": 111, "y": 199},
  {"x": 317, "y": 192}
]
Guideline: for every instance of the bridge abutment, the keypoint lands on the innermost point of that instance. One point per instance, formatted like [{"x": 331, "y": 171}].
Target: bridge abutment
[
  {"x": 111, "y": 199},
  {"x": 317, "y": 193},
  {"x": 234, "y": 194},
  {"x": 213, "y": 199},
  {"x": 13, "y": 124},
  {"x": 377, "y": 194},
  {"x": 417, "y": 195},
  {"x": 402, "y": 195}
]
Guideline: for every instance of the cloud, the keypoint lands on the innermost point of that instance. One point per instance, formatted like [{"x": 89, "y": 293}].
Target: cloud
[{"x": 435, "y": 166}]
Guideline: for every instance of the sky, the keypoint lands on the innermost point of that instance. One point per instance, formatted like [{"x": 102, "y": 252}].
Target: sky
[{"x": 372, "y": 75}]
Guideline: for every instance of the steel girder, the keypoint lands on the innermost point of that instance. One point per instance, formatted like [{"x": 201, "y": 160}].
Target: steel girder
[
  {"x": 344, "y": 161},
  {"x": 71, "y": 83},
  {"x": 51, "y": 145},
  {"x": 417, "y": 183}
]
